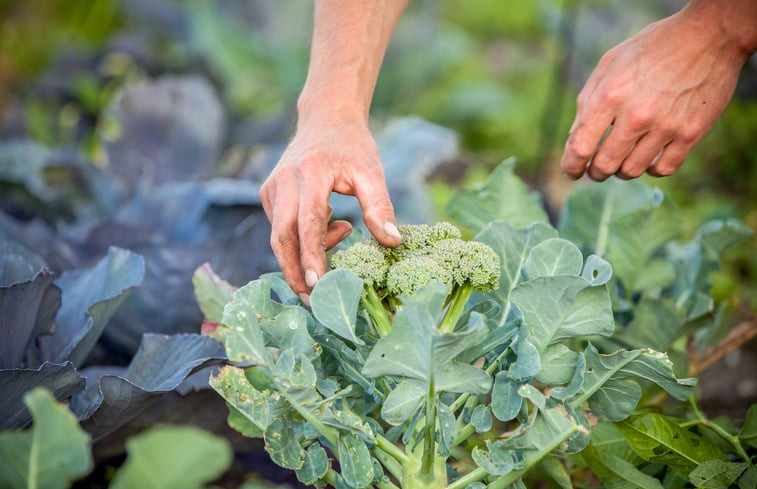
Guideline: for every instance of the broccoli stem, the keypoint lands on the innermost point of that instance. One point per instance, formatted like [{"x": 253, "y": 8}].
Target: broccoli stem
[
  {"x": 456, "y": 306},
  {"x": 375, "y": 308}
]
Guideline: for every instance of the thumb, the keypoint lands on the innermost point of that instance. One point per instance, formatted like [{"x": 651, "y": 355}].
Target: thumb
[{"x": 378, "y": 212}]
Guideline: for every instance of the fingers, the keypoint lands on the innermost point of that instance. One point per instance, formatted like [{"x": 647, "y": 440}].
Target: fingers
[
  {"x": 589, "y": 127},
  {"x": 644, "y": 154},
  {"x": 378, "y": 212},
  {"x": 670, "y": 159},
  {"x": 336, "y": 232},
  {"x": 312, "y": 220}
]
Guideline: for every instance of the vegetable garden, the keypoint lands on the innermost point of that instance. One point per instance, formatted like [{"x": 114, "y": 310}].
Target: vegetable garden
[{"x": 147, "y": 339}]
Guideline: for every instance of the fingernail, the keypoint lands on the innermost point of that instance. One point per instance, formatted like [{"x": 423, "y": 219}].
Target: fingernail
[
  {"x": 305, "y": 298},
  {"x": 391, "y": 230},
  {"x": 311, "y": 278}
]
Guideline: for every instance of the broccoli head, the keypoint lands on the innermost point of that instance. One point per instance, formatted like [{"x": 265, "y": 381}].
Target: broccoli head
[{"x": 428, "y": 253}]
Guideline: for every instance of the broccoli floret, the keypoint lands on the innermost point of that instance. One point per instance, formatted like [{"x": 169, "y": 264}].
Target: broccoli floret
[
  {"x": 412, "y": 273},
  {"x": 365, "y": 260},
  {"x": 427, "y": 254}
]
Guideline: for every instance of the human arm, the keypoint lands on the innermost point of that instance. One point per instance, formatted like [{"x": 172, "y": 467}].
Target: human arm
[
  {"x": 332, "y": 149},
  {"x": 660, "y": 91}
]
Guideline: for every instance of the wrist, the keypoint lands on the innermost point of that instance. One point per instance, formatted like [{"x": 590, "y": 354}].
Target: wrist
[
  {"x": 732, "y": 22},
  {"x": 329, "y": 105}
]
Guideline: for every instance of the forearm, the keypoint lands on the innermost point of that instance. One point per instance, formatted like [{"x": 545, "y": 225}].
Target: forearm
[
  {"x": 733, "y": 21},
  {"x": 349, "y": 41}
]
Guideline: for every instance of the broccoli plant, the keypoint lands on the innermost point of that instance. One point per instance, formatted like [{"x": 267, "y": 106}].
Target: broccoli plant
[{"x": 446, "y": 363}]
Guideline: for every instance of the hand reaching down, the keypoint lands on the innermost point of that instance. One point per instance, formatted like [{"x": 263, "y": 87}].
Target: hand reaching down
[
  {"x": 658, "y": 93},
  {"x": 322, "y": 158}
]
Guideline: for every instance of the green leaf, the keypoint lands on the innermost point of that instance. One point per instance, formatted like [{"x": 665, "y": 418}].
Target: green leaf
[
  {"x": 558, "y": 363},
  {"x": 283, "y": 444},
  {"x": 506, "y": 401},
  {"x": 335, "y": 300},
  {"x": 503, "y": 196},
  {"x": 607, "y": 438},
  {"x": 749, "y": 479},
  {"x": 576, "y": 381},
  {"x": 498, "y": 458},
  {"x": 624, "y": 222},
  {"x": 258, "y": 407},
  {"x": 461, "y": 377},
  {"x": 315, "y": 466},
  {"x": 695, "y": 261},
  {"x": 656, "y": 322},
  {"x": 561, "y": 307},
  {"x": 601, "y": 389},
  {"x": 748, "y": 433},
  {"x": 289, "y": 329},
  {"x": 554, "y": 256},
  {"x": 717, "y": 474},
  {"x": 481, "y": 418},
  {"x": 656, "y": 439},
  {"x": 597, "y": 270},
  {"x": 173, "y": 457},
  {"x": 52, "y": 454},
  {"x": 555, "y": 469},
  {"x": 242, "y": 318},
  {"x": 416, "y": 350},
  {"x": 355, "y": 461},
  {"x": 212, "y": 292},
  {"x": 513, "y": 247},
  {"x": 616, "y": 472},
  {"x": 528, "y": 363},
  {"x": 447, "y": 428}
]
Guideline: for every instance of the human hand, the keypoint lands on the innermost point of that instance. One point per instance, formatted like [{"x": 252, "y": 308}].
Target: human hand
[
  {"x": 659, "y": 91},
  {"x": 324, "y": 157}
]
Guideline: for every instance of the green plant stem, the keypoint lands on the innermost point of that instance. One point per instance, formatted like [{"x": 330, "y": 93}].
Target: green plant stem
[
  {"x": 704, "y": 421},
  {"x": 429, "y": 449},
  {"x": 460, "y": 401},
  {"x": 372, "y": 304},
  {"x": 389, "y": 462},
  {"x": 391, "y": 449},
  {"x": 455, "y": 308},
  {"x": 463, "y": 434},
  {"x": 326, "y": 431}
]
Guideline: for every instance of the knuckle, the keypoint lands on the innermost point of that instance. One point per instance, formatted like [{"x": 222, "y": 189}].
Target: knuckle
[
  {"x": 580, "y": 147},
  {"x": 639, "y": 118},
  {"x": 689, "y": 134}
]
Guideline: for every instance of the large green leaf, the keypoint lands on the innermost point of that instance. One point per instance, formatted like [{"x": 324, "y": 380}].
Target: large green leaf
[
  {"x": 696, "y": 260},
  {"x": 625, "y": 222},
  {"x": 334, "y": 301},
  {"x": 616, "y": 472},
  {"x": 513, "y": 247},
  {"x": 89, "y": 298},
  {"x": 610, "y": 382},
  {"x": 51, "y": 455},
  {"x": 173, "y": 457},
  {"x": 657, "y": 439},
  {"x": 554, "y": 256},
  {"x": 414, "y": 348},
  {"x": 503, "y": 196},
  {"x": 561, "y": 307}
]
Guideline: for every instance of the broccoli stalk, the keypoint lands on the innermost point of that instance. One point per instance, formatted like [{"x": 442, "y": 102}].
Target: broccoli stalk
[{"x": 427, "y": 254}]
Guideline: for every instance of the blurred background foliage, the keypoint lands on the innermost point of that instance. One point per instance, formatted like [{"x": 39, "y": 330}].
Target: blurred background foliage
[{"x": 503, "y": 75}]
